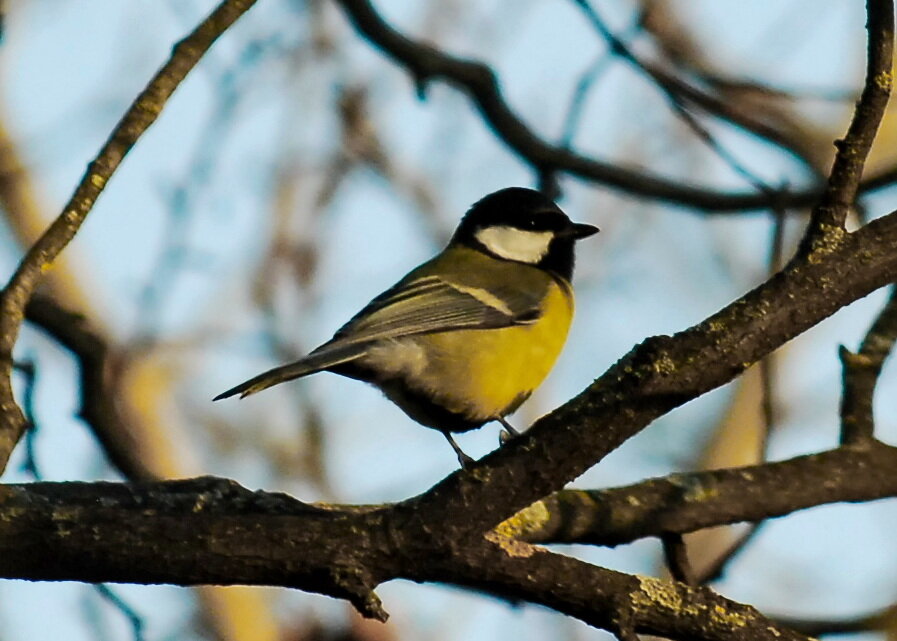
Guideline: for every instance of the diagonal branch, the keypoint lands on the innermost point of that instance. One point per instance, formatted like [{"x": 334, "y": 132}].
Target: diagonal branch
[
  {"x": 682, "y": 503},
  {"x": 663, "y": 373},
  {"x": 622, "y": 603},
  {"x": 676, "y": 93},
  {"x": 844, "y": 180},
  {"x": 142, "y": 113}
]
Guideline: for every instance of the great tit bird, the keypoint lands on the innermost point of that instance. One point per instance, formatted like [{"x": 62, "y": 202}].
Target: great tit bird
[{"x": 465, "y": 338}]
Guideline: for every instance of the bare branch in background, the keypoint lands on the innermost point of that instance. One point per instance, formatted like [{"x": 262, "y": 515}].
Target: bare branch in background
[
  {"x": 97, "y": 364},
  {"x": 27, "y": 370},
  {"x": 753, "y": 106},
  {"x": 142, "y": 113},
  {"x": 177, "y": 255},
  {"x": 880, "y": 620},
  {"x": 479, "y": 81},
  {"x": 676, "y": 93},
  {"x": 676, "y": 554},
  {"x": 134, "y": 618},
  {"x": 861, "y": 372}
]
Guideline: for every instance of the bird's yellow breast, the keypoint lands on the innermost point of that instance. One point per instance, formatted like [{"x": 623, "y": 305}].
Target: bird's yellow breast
[{"x": 483, "y": 374}]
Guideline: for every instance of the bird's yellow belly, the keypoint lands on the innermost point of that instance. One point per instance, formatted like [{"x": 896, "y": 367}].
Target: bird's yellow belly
[{"x": 494, "y": 371}]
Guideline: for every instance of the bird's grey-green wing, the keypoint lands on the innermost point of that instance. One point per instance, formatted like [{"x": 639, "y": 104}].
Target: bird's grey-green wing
[
  {"x": 436, "y": 304},
  {"x": 415, "y": 305}
]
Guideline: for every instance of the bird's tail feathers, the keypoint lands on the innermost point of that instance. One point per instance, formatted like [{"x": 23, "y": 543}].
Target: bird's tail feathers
[{"x": 314, "y": 362}]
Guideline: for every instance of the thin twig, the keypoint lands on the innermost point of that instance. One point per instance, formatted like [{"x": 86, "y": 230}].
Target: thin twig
[
  {"x": 480, "y": 83},
  {"x": 676, "y": 554},
  {"x": 133, "y": 617},
  {"x": 586, "y": 81},
  {"x": 672, "y": 89},
  {"x": 140, "y": 115},
  {"x": 735, "y": 100},
  {"x": 861, "y": 372},
  {"x": 29, "y": 372},
  {"x": 715, "y": 570},
  {"x": 872, "y": 622},
  {"x": 828, "y": 218}
]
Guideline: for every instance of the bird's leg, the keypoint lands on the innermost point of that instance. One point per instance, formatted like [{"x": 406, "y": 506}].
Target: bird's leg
[
  {"x": 463, "y": 459},
  {"x": 508, "y": 432},
  {"x": 511, "y": 430}
]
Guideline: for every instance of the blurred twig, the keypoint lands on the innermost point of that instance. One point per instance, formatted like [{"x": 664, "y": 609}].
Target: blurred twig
[
  {"x": 873, "y": 622},
  {"x": 97, "y": 363},
  {"x": 861, "y": 372},
  {"x": 133, "y": 617},
  {"x": 28, "y": 371},
  {"x": 676, "y": 94},
  {"x": 676, "y": 554},
  {"x": 176, "y": 253},
  {"x": 767, "y": 369},
  {"x": 142, "y": 113},
  {"x": 757, "y": 107},
  {"x": 480, "y": 82}
]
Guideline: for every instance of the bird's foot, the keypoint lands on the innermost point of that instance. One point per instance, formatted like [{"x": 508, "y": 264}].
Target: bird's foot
[
  {"x": 508, "y": 433},
  {"x": 463, "y": 459}
]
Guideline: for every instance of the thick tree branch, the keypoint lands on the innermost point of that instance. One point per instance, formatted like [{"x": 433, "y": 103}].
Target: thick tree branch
[
  {"x": 478, "y": 80},
  {"x": 142, "y": 113},
  {"x": 210, "y": 531},
  {"x": 844, "y": 180},
  {"x": 678, "y": 503},
  {"x": 682, "y": 503},
  {"x": 202, "y": 531},
  {"x": 214, "y": 531},
  {"x": 618, "y": 602}
]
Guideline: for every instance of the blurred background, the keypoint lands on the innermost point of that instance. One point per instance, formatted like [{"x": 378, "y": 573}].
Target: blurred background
[{"x": 296, "y": 174}]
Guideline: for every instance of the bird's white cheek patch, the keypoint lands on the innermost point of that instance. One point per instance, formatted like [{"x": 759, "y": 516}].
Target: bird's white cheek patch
[{"x": 515, "y": 244}]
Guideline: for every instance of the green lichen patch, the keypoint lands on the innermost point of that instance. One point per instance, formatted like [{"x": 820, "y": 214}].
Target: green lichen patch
[{"x": 529, "y": 519}]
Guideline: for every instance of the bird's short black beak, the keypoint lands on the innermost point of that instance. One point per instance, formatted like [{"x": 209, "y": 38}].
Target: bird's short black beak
[{"x": 581, "y": 230}]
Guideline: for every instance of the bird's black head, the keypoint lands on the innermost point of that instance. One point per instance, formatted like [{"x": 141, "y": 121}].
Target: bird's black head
[{"x": 525, "y": 226}]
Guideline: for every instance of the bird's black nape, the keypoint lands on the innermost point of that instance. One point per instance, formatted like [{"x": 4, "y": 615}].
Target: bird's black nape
[{"x": 511, "y": 206}]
